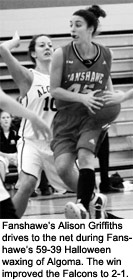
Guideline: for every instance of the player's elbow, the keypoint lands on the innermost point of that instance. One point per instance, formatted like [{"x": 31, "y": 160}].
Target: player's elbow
[{"x": 53, "y": 91}]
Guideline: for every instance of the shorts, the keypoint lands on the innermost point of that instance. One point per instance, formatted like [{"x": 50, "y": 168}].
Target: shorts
[
  {"x": 75, "y": 130},
  {"x": 5, "y": 162},
  {"x": 29, "y": 157},
  {"x": 35, "y": 156},
  {"x": 4, "y": 194}
]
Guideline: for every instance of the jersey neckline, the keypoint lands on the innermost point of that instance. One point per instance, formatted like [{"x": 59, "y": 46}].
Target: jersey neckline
[{"x": 87, "y": 62}]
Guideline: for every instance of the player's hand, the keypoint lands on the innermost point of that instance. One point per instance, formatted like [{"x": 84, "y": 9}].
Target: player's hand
[
  {"x": 91, "y": 101},
  {"x": 115, "y": 97},
  {"x": 12, "y": 43},
  {"x": 16, "y": 40},
  {"x": 39, "y": 126}
]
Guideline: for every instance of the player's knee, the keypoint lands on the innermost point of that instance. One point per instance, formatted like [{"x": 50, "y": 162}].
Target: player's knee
[
  {"x": 62, "y": 169},
  {"x": 86, "y": 159}
]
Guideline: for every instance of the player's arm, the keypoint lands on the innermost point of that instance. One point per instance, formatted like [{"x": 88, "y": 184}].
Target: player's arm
[
  {"x": 110, "y": 95},
  {"x": 55, "y": 80},
  {"x": 8, "y": 104},
  {"x": 116, "y": 97},
  {"x": 109, "y": 85},
  {"x": 128, "y": 95},
  {"x": 21, "y": 75}
]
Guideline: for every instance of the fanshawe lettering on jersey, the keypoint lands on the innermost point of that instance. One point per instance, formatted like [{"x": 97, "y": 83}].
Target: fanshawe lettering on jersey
[
  {"x": 39, "y": 100},
  {"x": 80, "y": 75}
]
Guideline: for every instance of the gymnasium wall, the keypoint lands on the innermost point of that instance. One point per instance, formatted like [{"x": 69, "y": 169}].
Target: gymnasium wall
[
  {"x": 18, "y": 4},
  {"x": 30, "y": 17}
]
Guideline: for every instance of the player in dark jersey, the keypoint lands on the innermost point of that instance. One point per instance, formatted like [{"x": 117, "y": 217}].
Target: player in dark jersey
[{"x": 79, "y": 70}]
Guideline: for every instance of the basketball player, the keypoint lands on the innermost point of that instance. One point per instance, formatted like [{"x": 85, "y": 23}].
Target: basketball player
[
  {"x": 8, "y": 104},
  {"x": 33, "y": 154},
  {"x": 79, "y": 70}
]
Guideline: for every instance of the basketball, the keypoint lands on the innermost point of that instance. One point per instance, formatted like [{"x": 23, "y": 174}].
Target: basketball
[{"x": 107, "y": 113}]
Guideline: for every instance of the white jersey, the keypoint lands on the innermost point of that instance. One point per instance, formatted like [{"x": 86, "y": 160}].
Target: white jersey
[{"x": 39, "y": 100}]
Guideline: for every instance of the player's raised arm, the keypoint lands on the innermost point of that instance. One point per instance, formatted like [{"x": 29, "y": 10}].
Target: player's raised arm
[{"x": 21, "y": 75}]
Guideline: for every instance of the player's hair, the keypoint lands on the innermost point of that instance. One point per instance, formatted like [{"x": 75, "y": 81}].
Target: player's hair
[
  {"x": 32, "y": 44},
  {"x": 91, "y": 16}
]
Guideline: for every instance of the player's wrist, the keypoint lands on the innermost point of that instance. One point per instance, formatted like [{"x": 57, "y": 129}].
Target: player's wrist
[{"x": 80, "y": 98}]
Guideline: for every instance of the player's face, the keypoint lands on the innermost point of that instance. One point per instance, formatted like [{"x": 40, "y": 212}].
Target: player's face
[
  {"x": 79, "y": 30},
  {"x": 43, "y": 48},
  {"x": 5, "y": 120}
]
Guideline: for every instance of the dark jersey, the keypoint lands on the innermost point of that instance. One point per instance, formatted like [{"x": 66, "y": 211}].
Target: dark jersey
[
  {"x": 79, "y": 77},
  {"x": 8, "y": 145}
]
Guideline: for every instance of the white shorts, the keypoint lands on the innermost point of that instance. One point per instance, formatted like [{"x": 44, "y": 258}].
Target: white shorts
[
  {"x": 35, "y": 156},
  {"x": 5, "y": 162},
  {"x": 3, "y": 192}
]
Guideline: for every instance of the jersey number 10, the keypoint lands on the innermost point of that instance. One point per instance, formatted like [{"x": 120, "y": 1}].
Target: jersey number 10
[{"x": 49, "y": 104}]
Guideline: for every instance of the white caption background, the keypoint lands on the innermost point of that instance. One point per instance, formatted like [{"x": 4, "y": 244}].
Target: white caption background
[{"x": 66, "y": 249}]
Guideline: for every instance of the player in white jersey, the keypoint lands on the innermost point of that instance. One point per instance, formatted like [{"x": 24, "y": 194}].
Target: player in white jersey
[
  {"x": 34, "y": 155},
  {"x": 8, "y": 104},
  {"x": 38, "y": 99}
]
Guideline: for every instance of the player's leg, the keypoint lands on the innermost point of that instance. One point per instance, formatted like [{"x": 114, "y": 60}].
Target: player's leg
[
  {"x": 87, "y": 199},
  {"x": 65, "y": 158},
  {"x": 103, "y": 156},
  {"x": 85, "y": 186},
  {"x": 51, "y": 173},
  {"x": 86, "y": 182},
  {"x": 7, "y": 210},
  {"x": 44, "y": 185},
  {"x": 29, "y": 171},
  {"x": 25, "y": 187},
  {"x": 62, "y": 173},
  {"x": 2, "y": 170},
  {"x": 67, "y": 170},
  {"x": 4, "y": 163}
]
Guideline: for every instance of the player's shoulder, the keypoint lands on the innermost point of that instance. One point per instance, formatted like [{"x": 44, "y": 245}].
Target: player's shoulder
[
  {"x": 104, "y": 49},
  {"x": 35, "y": 72},
  {"x": 101, "y": 46},
  {"x": 58, "y": 54},
  {"x": 62, "y": 49},
  {"x": 37, "y": 75}
]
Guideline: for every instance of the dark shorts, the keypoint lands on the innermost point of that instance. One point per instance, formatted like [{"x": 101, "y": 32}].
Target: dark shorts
[{"x": 75, "y": 130}]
